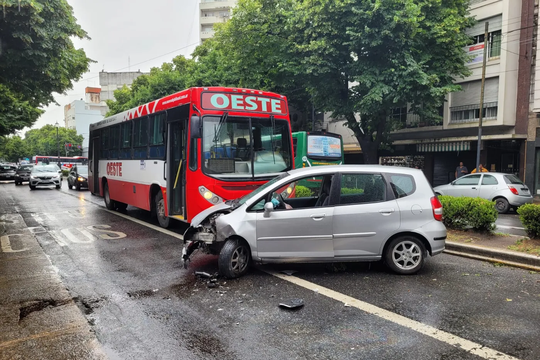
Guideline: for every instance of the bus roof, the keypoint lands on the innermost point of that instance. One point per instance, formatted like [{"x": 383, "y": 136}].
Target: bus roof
[{"x": 171, "y": 101}]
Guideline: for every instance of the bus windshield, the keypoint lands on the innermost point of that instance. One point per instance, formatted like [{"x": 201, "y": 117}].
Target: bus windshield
[
  {"x": 322, "y": 146},
  {"x": 245, "y": 147}
]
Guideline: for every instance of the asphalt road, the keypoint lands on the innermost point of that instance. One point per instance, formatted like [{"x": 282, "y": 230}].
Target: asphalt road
[{"x": 125, "y": 274}]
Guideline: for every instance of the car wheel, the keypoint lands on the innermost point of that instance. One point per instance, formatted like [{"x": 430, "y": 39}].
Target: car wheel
[
  {"x": 405, "y": 255},
  {"x": 78, "y": 187},
  {"x": 502, "y": 205},
  {"x": 32, "y": 187},
  {"x": 58, "y": 186},
  {"x": 70, "y": 186},
  {"x": 16, "y": 183},
  {"x": 234, "y": 258},
  {"x": 109, "y": 204},
  {"x": 163, "y": 220}
]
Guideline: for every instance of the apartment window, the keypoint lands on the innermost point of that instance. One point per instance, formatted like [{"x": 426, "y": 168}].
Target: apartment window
[
  {"x": 400, "y": 114},
  {"x": 471, "y": 113},
  {"x": 494, "y": 42}
]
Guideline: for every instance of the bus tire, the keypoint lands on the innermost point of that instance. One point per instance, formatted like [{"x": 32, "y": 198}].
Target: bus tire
[
  {"x": 234, "y": 258},
  {"x": 163, "y": 220},
  {"x": 109, "y": 203}
]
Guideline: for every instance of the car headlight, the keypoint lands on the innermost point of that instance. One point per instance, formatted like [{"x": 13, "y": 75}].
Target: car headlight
[
  {"x": 209, "y": 196},
  {"x": 33, "y": 177},
  {"x": 80, "y": 178}
]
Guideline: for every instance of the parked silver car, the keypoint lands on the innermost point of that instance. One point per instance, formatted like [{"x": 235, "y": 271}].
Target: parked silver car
[
  {"x": 344, "y": 213},
  {"x": 45, "y": 175},
  {"x": 506, "y": 190}
]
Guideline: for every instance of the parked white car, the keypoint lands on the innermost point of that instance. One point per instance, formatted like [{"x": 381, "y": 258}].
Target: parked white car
[
  {"x": 349, "y": 213},
  {"x": 506, "y": 190}
]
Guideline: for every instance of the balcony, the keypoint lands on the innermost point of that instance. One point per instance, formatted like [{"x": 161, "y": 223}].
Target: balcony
[
  {"x": 207, "y": 34},
  {"x": 217, "y": 4}
]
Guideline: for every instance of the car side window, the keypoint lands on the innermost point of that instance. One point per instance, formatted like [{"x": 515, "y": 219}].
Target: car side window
[
  {"x": 489, "y": 180},
  {"x": 362, "y": 188},
  {"x": 468, "y": 180},
  {"x": 303, "y": 193},
  {"x": 402, "y": 185}
]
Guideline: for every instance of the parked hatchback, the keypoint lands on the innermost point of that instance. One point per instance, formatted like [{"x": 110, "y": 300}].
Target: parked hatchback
[
  {"x": 507, "y": 190},
  {"x": 348, "y": 213},
  {"x": 23, "y": 173}
]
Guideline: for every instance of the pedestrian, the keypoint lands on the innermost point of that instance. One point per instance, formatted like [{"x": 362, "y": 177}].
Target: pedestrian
[
  {"x": 461, "y": 170},
  {"x": 482, "y": 169}
]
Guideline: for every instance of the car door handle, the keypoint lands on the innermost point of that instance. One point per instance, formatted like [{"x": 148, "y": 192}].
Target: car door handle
[
  {"x": 386, "y": 212},
  {"x": 473, "y": 188},
  {"x": 318, "y": 217}
]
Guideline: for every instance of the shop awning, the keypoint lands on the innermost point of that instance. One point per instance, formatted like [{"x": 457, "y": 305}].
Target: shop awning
[{"x": 444, "y": 146}]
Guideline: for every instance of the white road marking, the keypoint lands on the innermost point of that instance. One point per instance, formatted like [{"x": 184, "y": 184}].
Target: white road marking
[
  {"x": 153, "y": 227},
  {"x": 456, "y": 341},
  {"x": 509, "y": 227},
  {"x": 6, "y": 244}
]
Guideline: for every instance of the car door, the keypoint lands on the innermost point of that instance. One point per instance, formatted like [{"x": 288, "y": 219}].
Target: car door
[
  {"x": 488, "y": 187},
  {"x": 364, "y": 217},
  {"x": 303, "y": 232},
  {"x": 467, "y": 185}
]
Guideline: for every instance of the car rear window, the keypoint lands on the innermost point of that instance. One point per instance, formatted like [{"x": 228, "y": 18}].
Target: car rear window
[
  {"x": 402, "y": 185},
  {"x": 512, "y": 179}
]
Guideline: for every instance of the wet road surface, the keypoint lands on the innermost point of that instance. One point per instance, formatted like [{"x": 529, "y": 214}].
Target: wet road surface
[{"x": 129, "y": 285}]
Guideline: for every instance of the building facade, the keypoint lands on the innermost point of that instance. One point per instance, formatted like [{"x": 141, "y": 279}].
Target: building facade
[
  {"x": 111, "y": 81},
  {"x": 81, "y": 113},
  {"x": 213, "y": 12}
]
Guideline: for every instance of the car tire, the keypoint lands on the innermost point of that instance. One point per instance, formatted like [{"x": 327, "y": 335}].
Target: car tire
[
  {"x": 58, "y": 186},
  {"x": 163, "y": 220},
  {"x": 16, "y": 183},
  {"x": 78, "y": 187},
  {"x": 234, "y": 259},
  {"x": 405, "y": 255},
  {"x": 109, "y": 203},
  {"x": 502, "y": 205},
  {"x": 32, "y": 187},
  {"x": 70, "y": 186}
]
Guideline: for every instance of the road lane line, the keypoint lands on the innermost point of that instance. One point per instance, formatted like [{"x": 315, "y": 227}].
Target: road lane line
[
  {"x": 456, "y": 341},
  {"x": 153, "y": 227}
]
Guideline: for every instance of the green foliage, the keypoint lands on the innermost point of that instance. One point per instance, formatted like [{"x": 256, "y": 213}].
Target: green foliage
[
  {"x": 468, "y": 213},
  {"x": 529, "y": 214},
  {"x": 353, "y": 191},
  {"x": 37, "y": 58},
  {"x": 41, "y": 141},
  {"x": 302, "y": 191},
  {"x": 65, "y": 173}
]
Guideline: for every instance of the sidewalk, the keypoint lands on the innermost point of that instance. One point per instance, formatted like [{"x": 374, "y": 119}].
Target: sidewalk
[{"x": 492, "y": 248}]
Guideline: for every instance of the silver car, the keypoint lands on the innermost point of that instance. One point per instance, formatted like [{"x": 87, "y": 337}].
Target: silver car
[
  {"x": 506, "y": 190},
  {"x": 45, "y": 175},
  {"x": 325, "y": 214}
]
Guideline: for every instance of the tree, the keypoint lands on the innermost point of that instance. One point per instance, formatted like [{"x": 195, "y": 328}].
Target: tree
[
  {"x": 13, "y": 148},
  {"x": 43, "y": 141},
  {"x": 37, "y": 58},
  {"x": 358, "y": 59}
]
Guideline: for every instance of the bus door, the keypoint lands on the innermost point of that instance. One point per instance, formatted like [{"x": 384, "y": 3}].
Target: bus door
[
  {"x": 175, "y": 169},
  {"x": 93, "y": 166}
]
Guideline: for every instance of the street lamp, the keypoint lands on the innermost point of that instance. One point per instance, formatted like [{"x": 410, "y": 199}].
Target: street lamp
[{"x": 57, "y": 145}]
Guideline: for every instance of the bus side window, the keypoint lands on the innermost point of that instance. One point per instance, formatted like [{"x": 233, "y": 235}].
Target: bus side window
[
  {"x": 114, "y": 136},
  {"x": 157, "y": 132},
  {"x": 140, "y": 138},
  {"x": 125, "y": 140}
]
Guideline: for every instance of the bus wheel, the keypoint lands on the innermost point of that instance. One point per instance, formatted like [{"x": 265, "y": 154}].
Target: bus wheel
[
  {"x": 121, "y": 206},
  {"x": 234, "y": 258},
  {"x": 160, "y": 210},
  {"x": 110, "y": 204}
]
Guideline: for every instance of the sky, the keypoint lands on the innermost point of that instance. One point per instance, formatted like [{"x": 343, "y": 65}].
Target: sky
[{"x": 127, "y": 35}]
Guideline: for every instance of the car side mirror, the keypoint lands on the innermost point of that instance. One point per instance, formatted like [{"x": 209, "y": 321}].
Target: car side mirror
[
  {"x": 268, "y": 208},
  {"x": 453, "y": 182},
  {"x": 59, "y": 171}
]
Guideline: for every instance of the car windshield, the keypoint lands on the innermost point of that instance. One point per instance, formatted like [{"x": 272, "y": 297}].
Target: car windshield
[
  {"x": 260, "y": 189},
  {"x": 512, "y": 179},
  {"x": 82, "y": 170},
  {"x": 323, "y": 147},
  {"x": 245, "y": 147},
  {"x": 45, "y": 168},
  {"x": 26, "y": 167},
  {"x": 6, "y": 168}
]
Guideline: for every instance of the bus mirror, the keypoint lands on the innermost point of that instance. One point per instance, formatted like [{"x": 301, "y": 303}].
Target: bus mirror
[{"x": 195, "y": 127}]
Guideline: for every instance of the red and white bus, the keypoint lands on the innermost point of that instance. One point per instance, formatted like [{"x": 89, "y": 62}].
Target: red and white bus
[
  {"x": 66, "y": 162},
  {"x": 183, "y": 153}
]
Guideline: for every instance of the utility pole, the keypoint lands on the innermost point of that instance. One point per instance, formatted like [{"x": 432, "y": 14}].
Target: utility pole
[
  {"x": 482, "y": 98},
  {"x": 57, "y": 144}
]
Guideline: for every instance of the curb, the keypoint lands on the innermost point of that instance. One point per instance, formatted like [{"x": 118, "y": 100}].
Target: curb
[{"x": 511, "y": 258}]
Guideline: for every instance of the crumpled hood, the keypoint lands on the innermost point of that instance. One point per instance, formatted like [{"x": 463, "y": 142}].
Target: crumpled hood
[
  {"x": 199, "y": 218},
  {"x": 45, "y": 174}
]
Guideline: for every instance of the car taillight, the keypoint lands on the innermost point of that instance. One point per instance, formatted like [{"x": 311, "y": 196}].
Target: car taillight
[
  {"x": 437, "y": 208},
  {"x": 513, "y": 190}
]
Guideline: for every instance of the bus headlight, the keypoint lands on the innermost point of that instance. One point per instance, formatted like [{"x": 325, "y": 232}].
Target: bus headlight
[
  {"x": 288, "y": 191},
  {"x": 209, "y": 196}
]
